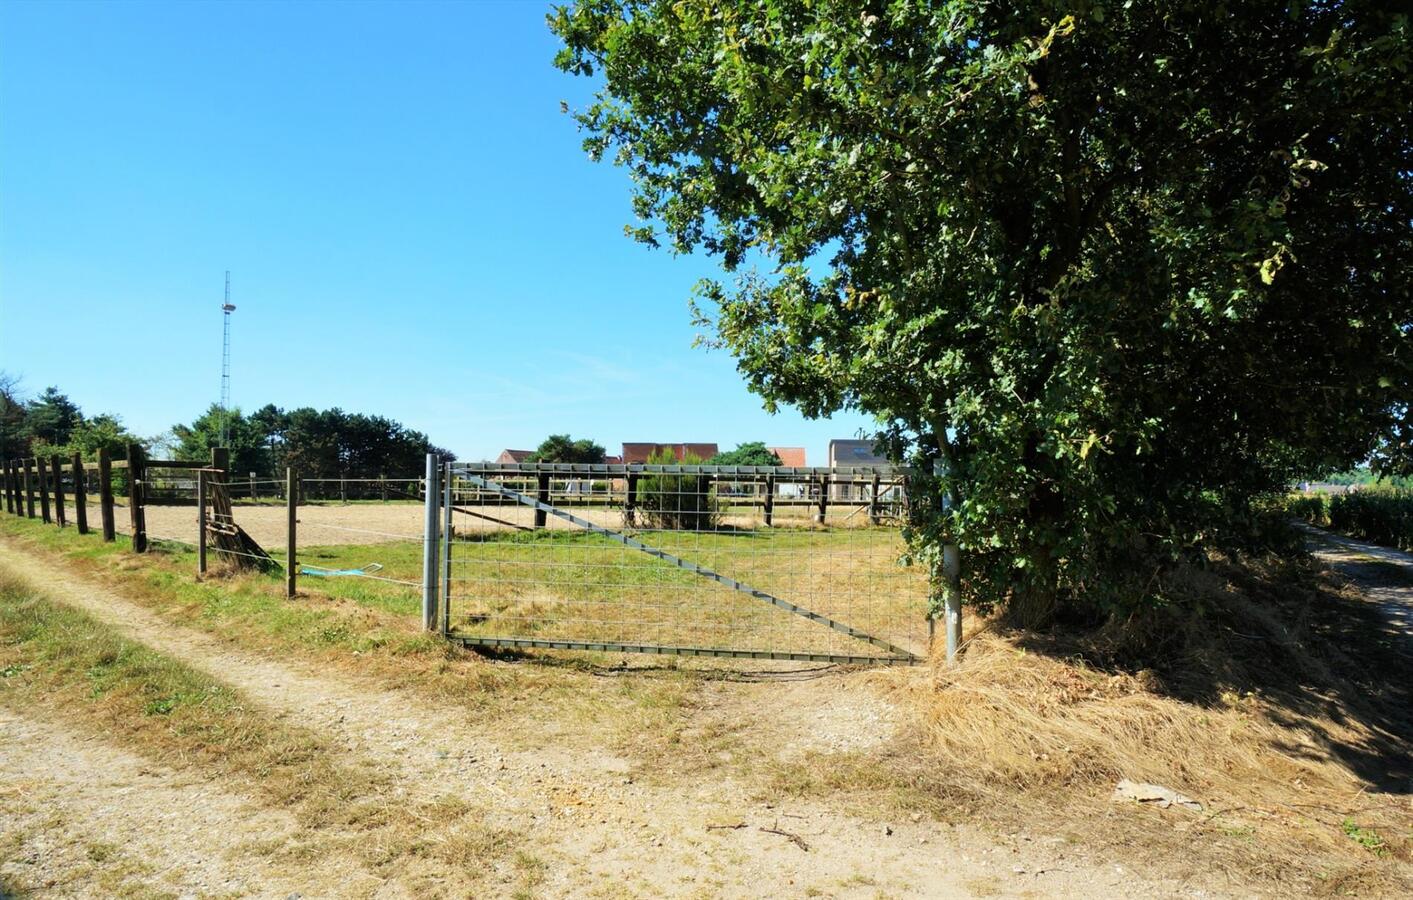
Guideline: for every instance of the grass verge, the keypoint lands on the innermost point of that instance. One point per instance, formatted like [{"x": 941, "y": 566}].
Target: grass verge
[
  {"x": 59, "y": 664},
  {"x": 367, "y": 633}
]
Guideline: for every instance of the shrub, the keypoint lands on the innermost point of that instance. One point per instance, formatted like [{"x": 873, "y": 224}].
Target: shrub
[
  {"x": 1313, "y": 508},
  {"x": 676, "y": 502},
  {"x": 1381, "y": 514}
]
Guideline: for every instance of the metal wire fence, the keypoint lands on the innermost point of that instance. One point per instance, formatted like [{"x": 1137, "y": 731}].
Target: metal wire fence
[
  {"x": 172, "y": 512},
  {"x": 711, "y": 560},
  {"x": 776, "y": 562}
]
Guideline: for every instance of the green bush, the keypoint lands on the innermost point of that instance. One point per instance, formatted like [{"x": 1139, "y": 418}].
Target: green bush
[
  {"x": 1381, "y": 514},
  {"x": 1313, "y": 508},
  {"x": 676, "y": 502}
]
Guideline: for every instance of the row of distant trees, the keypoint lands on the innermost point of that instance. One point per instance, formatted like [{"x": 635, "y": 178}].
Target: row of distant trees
[
  {"x": 561, "y": 448},
  {"x": 328, "y": 443},
  {"x": 52, "y": 423}
]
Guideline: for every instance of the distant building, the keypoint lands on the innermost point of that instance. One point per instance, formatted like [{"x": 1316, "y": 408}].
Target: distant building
[
  {"x": 639, "y": 453},
  {"x": 513, "y": 456},
  {"x": 790, "y": 456},
  {"x": 852, "y": 453}
]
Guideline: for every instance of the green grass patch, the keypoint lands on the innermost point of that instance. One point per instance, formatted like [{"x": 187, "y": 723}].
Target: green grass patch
[{"x": 1367, "y": 838}]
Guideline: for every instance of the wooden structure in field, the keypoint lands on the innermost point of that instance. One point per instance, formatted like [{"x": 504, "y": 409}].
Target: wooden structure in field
[{"x": 227, "y": 537}]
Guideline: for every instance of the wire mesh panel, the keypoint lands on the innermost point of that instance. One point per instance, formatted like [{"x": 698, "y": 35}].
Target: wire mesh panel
[
  {"x": 368, "y": 530},
  {"x": 786, "y": 563}
]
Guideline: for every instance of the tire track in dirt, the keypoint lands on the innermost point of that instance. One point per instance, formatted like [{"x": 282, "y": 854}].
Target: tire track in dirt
[
  {"x": 75, "y": 806},
  {"x": 601, "y": 830}
]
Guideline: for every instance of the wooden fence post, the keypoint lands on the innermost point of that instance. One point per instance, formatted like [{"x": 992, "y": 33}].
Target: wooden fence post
[
  {"x": 57, "y": 466},
  {"x": 630, "y": 498},
  {"x": 80, "y": 496},
  {"x": 43, "y": 490},
  {"x": 200, "y": 523},
  {"x": 823, "y": 499},
  {"x": 29, "y": 488},
  {"x": 874, "y": 509},
  {"x": 291, "y": 521},
  {"x": 7, "y": 473},
  {"x": 137, "y": 474},
  {"x": 105, "y": 495},
  {"x": 769, "y": 500},
  {"x": 543, "y": 495}
]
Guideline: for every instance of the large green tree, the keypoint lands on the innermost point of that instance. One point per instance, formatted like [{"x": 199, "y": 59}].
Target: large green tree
[
  {"x": 52, "y": 417},
  {"x": 561, "y": 448},
  {"x": 1121, "y": 267},
  {"x": 247, "y": 440},
  {"x": 14, "y": 439},
  {"x": 318, "y": 444},
  {"x": 751, "y": 453}
]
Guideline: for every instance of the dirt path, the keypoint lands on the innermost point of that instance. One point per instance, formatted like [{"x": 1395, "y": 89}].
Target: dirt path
[
  {"x": 600, "y": 831},
  {"x": 1384, "y": 575},
  {"x": 72, "y": 803}
]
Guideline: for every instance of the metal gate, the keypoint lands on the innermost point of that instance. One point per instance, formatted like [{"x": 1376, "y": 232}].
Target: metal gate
[{"x": 737, "y": 561}]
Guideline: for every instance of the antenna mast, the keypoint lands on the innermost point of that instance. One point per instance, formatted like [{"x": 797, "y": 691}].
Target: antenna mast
[{"x": 226, "y": 309}]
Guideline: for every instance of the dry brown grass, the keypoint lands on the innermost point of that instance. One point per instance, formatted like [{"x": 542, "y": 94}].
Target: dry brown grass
[{"x": 1288, "y": 718}]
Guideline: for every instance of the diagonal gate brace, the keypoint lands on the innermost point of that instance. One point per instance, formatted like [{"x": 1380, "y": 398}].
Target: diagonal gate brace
[{"x": 687, "y": 565}]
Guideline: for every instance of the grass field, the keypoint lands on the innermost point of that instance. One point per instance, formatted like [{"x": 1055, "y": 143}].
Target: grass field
[{"x": 564, "y": 584}]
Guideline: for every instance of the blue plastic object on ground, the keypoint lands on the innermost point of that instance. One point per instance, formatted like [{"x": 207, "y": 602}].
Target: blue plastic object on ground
[{"x": 319, "y": 572}]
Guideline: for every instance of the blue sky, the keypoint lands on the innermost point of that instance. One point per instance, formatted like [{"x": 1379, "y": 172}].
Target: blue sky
[{"x": 410, "y": 223}]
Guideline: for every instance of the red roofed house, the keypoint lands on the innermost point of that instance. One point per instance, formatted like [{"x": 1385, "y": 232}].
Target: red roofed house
[
  {"x": 639, "y": 453},
  {"x": 513, "y": 456},
  {"x": 790, "y": 456}
]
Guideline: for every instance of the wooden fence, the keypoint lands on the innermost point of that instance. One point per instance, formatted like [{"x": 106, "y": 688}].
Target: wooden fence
[{"x": 47, "y": 487}]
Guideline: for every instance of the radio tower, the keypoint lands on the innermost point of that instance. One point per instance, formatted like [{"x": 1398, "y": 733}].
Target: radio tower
[{"x": 226, "y": 309}]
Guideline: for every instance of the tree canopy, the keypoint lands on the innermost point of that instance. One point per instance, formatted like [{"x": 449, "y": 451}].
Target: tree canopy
[
  {"x": 1122, "y": 268},
  {"x": 751, "y": 453},
  {"x": 52, "y": 424},
  {"x": 561, "y": 448},
  {"x": 327, "y": 443}
]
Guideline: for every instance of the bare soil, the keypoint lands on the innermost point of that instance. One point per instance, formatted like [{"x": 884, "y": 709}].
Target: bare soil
[
  {"x": 364, "y": 523},
  {"x": 602, "y": 827},
  {"x": 82, "y": 815},
  {"x": 374, "y": 523}
]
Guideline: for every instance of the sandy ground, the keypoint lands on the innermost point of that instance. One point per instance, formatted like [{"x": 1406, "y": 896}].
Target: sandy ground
[
  {"x": 74, "y": 799},
  {"x": 372, "y": 523},
  {"x": 598, "y": 827}
]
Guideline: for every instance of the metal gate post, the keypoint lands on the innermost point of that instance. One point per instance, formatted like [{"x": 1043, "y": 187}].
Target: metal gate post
[
  {"x": 430, "y": 525},
  {"x": 951, "y": 576},
  {"x": 446, "y": 549}
]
